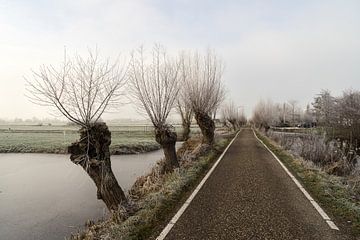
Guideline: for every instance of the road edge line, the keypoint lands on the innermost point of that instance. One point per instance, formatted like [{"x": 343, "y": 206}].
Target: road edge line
[
  {"x": 176, "y": 217},
  {"x": 321, "y": 212}
]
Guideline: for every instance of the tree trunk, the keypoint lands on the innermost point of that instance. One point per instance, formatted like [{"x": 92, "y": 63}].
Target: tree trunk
[
  {"x": 233, "y": 123},
  {"x": 93, "y": 154},
  {"x": 207, "y": 127},
  {"x": 167, "y": 139},
  {"x": 186, "y": 114},
  {"x": 186, "y": 130}
]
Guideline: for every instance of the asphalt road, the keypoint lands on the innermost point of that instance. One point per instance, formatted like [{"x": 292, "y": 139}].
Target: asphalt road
[{"x": 249, "y": 196}]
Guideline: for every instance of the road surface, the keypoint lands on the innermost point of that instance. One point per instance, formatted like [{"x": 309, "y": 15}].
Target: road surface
[{"x": 250, "y": 196}]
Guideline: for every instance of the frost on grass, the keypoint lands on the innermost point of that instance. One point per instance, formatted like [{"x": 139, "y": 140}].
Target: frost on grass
[
  {"x": 44, "y": 141},
  {"x": 339, "y": 194},
  {"x": 154, "y": 195},
  {"x": 335, "y": 157}
]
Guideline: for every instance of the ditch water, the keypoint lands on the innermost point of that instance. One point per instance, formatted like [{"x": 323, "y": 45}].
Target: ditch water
[{"x": 46, "y": 196}]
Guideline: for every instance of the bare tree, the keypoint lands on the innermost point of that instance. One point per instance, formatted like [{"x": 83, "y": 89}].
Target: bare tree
[
  {"x": 307, "y": 117},
  {"x": 81, "y": 90},
  {"x": 183, "y": 104},
  {"x": 293, "y": 106},
  {"x": 325, "y": 109},
  {"x": 339, "y": 115},
  {"x": 241, "y": 119},
  {"x": 155, "y": 87},
  {"x": 348, "y": 106},
  {"x": 266, "y": 114},
  {"x": 205, "y": 91},
  {"x": 230, "y": 114}
]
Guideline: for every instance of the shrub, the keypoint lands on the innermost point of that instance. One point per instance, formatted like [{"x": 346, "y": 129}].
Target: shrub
[{"x": 334, "y": 156}]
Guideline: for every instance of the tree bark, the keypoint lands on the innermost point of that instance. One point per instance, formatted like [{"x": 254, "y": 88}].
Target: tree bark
[
  {"x": 93, "y": 154},
  {"x": 233, "y": 123},
  {"x": 186, "y": 114},
  {"x": 207, "y": 127},
  {"x": 186, "y": 130},
  {"x": 167, "y": 139}
]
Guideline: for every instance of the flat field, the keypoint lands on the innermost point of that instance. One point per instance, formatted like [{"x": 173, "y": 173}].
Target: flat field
[{"x": 55, "y": 139}]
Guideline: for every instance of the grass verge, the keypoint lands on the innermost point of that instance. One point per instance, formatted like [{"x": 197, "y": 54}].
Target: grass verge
[
  {"x": 331, "y": 192},
  {"x": 57, "y": 142},
  {"x": 157, "y": 198}
]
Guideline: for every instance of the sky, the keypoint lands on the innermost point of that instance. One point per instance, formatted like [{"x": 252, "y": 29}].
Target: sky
[{"x": 283, "y": 50}]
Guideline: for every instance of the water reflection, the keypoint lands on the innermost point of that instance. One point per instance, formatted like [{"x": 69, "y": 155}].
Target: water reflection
[{"x": 45, "y": 196}]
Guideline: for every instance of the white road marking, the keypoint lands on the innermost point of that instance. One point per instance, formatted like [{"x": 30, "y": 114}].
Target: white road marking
[
  {"x": 332, "y": 225},
  {"x": 302, "y": 189},
  {"x": 172, "y": 222}
]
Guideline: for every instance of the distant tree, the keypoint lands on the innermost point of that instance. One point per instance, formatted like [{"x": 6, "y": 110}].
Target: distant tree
[
  {"x": 186, "y": 113},
  {"x": 214, "y": 113},
  {"x": 307, "y": 117},
  {"x": 18, "y": 120},
  {"x": 348, "y": 119},
  {"x": 230, "y": 114},
  {"x": 205, "y": 91},
  {"x": 183, "y": 104},
  {"x": 293, "y": 107},
  {"x": 241, "y": 119},
  {"x": 325, "y": 109},
  {"x": 155, "y": 87},
  {"x": 266, "y": 114},
  {"x": 346, "y": 122},
  {"x": 81, "y": 90},
  {"x": 339, "y": 117}
]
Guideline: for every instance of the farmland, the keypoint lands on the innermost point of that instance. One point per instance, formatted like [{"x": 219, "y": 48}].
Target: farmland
[{"x": 55, "y": 139}]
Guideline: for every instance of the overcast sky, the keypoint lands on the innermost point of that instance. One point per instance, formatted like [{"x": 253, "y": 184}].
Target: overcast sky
[{"x": 272, "y": 49}]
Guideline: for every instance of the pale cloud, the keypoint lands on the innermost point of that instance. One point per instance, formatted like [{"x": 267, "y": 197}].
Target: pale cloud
[{"x": 278, "y": 49}]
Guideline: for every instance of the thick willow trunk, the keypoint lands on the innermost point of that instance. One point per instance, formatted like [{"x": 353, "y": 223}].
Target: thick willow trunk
[
  {"x": 233, "y": 123},
  {"x": 167, "y": 139},
  {"x": 93, "y": 154},
  {"x": 207, "y": 127},
  {"x": 186, "y": 130}
]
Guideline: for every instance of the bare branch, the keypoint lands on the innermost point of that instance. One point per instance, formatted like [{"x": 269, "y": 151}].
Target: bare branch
[
  {"x": 154, "y": 84},
  {"x": 81, "y": 88},
  {"x": 204, "y": 86}
]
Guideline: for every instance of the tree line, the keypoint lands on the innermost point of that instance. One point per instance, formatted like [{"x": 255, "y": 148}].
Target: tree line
[
  {"x": 83, "y": 88},
  {"x": 337, "y": 116}
]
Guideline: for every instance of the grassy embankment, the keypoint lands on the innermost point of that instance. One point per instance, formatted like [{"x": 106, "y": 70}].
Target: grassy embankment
[
  {"x": 336, "y": 197},
  {"x": 56, "y": 139},
  {"x": 158, "y": 196}
]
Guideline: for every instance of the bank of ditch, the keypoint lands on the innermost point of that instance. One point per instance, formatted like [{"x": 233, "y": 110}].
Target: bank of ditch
[
  {"x": 56, "y": 142},
  {"x": 155, "y": 197},
  {"x": 334, "y": 193}
]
